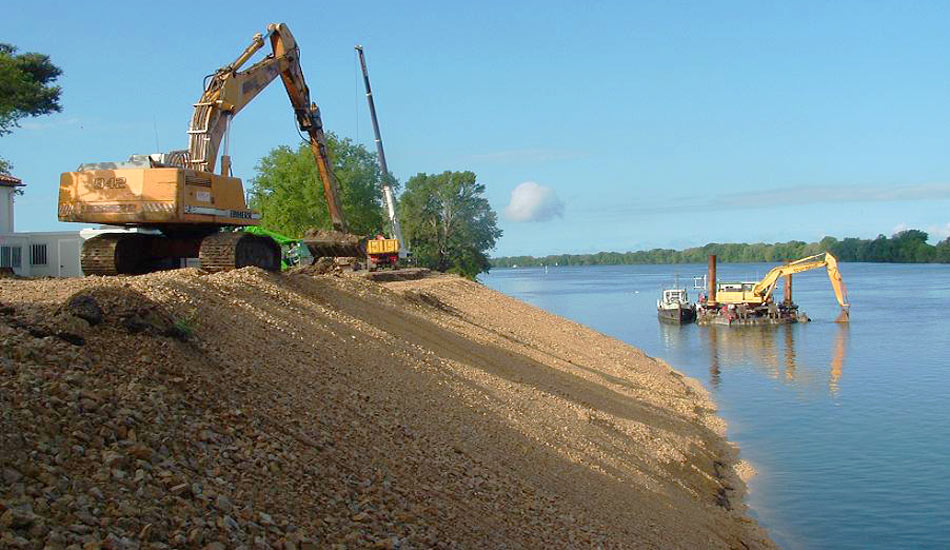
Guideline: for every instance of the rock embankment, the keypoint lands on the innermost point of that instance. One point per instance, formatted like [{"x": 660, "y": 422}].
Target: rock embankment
[{"x": 252, "y": 409}]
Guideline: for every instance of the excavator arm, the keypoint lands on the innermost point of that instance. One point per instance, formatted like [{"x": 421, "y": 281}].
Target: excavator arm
[
  {"x": 765, "y": 287},
  {"x": 231, "y": 89},
  {"x": 308, "y": 117}
]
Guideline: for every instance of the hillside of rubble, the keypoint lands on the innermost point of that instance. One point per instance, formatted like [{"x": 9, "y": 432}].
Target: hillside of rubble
[{"x": 246, "y": 408}]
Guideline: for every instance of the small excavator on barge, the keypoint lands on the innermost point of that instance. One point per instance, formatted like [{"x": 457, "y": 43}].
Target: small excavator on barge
[
  {"x": 751, "y": 302},
  {"x": 183, "y": 206}
]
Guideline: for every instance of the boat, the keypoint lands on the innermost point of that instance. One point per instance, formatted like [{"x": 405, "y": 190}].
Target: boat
[{"x": 674, "y": 307}]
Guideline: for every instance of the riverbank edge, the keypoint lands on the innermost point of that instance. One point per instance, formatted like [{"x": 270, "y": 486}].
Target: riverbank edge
[{"x": 731, "y": 468}]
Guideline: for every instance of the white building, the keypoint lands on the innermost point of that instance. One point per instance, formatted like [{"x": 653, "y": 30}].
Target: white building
[{"x": 37, "y": 254}]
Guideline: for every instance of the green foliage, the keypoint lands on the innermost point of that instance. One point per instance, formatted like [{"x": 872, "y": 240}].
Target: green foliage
[
  {"x": 906, "y": 247},
  {"x": 288, "y": 190},
  {"x": 25, "y": 89},
  {"x": 942, "y": 251},
  {"x": 448, "y": 223},
  {"x": 186, "y": 326}
]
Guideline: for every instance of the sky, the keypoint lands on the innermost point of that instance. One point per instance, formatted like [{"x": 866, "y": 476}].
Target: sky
[{"x": 593, "y": 125}]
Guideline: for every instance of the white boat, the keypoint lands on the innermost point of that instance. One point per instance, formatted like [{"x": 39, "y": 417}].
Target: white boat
[{"x": 674, "y": 307}]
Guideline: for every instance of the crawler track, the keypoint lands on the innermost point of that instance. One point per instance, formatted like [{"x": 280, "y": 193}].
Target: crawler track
[
  {"x": 136, "y": 253},
  {"x": 223, "y": 251},
  {"x": 115, "y": 254}
]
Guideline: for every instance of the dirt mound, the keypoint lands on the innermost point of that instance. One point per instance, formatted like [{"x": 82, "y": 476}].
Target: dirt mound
[
  {"x": 331, "y": 235},
  {"x": 306, "y": 411},
  {"x": 320, "y": 266},
  {"x": 125, "y": 307},
  {"x": 390, "y": 275}
]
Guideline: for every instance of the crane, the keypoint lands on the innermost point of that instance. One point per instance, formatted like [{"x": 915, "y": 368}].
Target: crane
[
  {"x": 760, "y": 292},
  {"x": 395, "y": 230},
  {"x": 178, "y": 196}
]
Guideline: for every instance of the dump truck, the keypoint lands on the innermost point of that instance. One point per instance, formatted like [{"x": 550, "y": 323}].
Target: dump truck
[{"x": 382, "y": 252}]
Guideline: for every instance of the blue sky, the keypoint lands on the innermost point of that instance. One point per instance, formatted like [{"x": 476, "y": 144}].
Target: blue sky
[{"x": 652, "y": 124}]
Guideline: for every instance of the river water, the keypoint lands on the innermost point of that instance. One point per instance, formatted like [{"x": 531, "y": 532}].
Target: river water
[{"x": 847, "y": 425}]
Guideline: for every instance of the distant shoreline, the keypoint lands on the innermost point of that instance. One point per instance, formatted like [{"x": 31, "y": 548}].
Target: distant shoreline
[{"x": 908, "y": 246}]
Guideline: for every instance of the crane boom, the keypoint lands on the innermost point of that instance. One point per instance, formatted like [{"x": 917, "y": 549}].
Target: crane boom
[{"x": 395, "y": 228}]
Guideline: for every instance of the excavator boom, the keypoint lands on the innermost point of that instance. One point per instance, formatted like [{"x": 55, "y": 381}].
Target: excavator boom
[
  {"x": 231, "y": 89},
  {"x": 760, "y": 293},
  {"x": 765, "y": 287}
]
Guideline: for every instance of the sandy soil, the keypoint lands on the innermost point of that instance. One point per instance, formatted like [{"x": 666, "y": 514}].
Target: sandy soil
[{"x": 258, "y": 409}]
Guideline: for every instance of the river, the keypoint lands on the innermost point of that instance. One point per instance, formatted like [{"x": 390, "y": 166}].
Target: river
[{"x": 847, "y": 425}]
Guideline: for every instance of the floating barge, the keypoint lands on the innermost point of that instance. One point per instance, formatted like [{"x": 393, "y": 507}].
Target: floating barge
[
  {"x": 711, "y": 311},
  {"x": 735, "y": 316}
]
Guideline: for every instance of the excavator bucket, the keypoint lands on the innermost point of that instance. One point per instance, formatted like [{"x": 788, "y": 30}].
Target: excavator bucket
[
  {"x": 334, "y": 244},
  {"x": 844, "y": 316}
]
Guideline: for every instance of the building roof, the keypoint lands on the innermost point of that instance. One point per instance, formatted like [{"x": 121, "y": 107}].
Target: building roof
[{"x": 6, "y": 180}]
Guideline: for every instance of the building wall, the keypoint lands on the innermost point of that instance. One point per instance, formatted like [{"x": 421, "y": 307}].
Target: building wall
[
  {"x": 52, "y": 254},
  {"x": 6, "y": 209}
]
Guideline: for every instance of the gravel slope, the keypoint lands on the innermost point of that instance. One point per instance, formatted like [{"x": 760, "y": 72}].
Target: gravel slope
[{"x": 265, "y": 410}]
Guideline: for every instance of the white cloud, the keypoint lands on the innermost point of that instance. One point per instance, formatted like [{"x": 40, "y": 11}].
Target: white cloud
[
  {"x": 531, "y": 202},
  {"x": 939, "y": 232}
]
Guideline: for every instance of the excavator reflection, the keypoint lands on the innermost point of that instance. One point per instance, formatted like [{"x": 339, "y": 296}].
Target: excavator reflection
[
  {"x": 761, "y": 349},
  {"x": 773, "y": 351}
]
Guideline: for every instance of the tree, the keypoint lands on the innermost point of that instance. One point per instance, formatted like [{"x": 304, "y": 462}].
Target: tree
[
  {"x": 911, "y": 246},
  {"x": 448, "y": 223},
  {"x": 26, "y": 89},
  {"x": 942, "y": 251},
  {"x": 288, "y": 190}
]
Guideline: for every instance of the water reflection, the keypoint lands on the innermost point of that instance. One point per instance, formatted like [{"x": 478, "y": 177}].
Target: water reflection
[
  {"x": 837, "y": 359},
  {"x": 771, "y": 350}
]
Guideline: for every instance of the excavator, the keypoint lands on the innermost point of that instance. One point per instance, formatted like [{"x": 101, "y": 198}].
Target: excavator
[
  {"x": 181, "y": 207},
  {"x": 758, "y": 293}
]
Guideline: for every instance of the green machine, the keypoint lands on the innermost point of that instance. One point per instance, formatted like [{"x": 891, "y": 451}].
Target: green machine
[{"x": 292, "y": 251}]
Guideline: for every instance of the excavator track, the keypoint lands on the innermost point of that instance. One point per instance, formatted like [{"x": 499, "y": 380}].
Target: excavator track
[
  {"x": 115, "y": 254},
  {"x": 138, "y": 253},
  {"x": 223, "y": 251}
]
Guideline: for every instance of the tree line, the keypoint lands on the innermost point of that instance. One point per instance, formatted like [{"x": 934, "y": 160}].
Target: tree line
[{"x": 908, "y": 246}]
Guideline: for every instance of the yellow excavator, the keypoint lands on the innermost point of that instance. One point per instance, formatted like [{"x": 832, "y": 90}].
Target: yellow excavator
[
  {"x": 179, "y": 196},
  {"x": 758, "y": 293}
]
